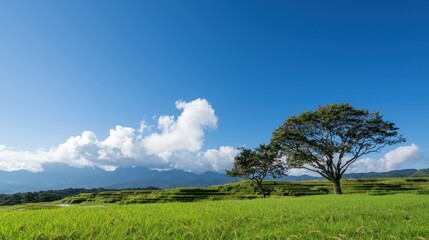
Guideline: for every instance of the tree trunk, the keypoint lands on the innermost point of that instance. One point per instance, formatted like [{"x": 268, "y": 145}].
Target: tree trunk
[
  {"x": 337, "y": 186},
  {"x": 261, "y": 188}
]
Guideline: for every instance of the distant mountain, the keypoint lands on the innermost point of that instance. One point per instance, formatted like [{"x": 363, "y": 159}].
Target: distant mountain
[
  {"x": 175, "y": 178},
  {"x": 421, "y": 173},
  {"x": 60, "y": 176}
]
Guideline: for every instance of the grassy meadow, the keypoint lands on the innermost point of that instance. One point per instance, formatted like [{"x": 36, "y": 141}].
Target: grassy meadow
[{"x": 353, "y": 216}]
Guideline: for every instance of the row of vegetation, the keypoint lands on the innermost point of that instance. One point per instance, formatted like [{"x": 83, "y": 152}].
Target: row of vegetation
[
  {"x": 250, "y": 190},
  {"x": 326, "y": 141},
  {"x": 50, "y": 195}
]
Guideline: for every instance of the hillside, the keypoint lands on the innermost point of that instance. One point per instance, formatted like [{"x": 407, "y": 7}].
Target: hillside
[
  {"x": 420, "y": 173},
  {"x": 248, "y": 190}
]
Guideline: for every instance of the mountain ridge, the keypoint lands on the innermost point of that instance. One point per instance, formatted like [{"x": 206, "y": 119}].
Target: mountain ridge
[{"x": 60, "y": 176}]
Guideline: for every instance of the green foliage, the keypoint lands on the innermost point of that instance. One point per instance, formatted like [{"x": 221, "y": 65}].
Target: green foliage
[
  {"x": 255, "y": 165},
  {"x": 421, "y": 173},
  {"x": 401, "y": 216},
  {"x": 333, "y": 137},
  {"x": 41, "y": 196},
  {"x": 48, "y": 196}
]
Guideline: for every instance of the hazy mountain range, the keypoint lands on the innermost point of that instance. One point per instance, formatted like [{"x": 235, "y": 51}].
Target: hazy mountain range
[{"x": 61, "y": 176}]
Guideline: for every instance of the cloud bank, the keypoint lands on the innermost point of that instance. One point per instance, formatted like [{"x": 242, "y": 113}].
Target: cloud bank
[
  {"x": 399, "y": 158},
  {"x": 176, "y": 143}
]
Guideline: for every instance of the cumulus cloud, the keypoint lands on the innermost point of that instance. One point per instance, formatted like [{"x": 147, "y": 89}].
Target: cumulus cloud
[
  {"x": 401, "y": 157},
  {"x": 213, "y": 159},
  {"x": 177, "y": 143},
  {"x": 184, "y": 134},
  {"x": 21, "y": 159}
]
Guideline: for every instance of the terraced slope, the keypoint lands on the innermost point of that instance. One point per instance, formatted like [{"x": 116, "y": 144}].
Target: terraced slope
[{"x": 248, "y": 190}]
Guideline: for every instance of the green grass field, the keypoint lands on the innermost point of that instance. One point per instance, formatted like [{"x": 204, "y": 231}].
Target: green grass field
[{"x": 353, "y": 216}]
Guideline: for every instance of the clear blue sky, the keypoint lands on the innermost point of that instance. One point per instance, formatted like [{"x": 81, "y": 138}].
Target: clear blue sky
[{"x": 70, "y": 66}]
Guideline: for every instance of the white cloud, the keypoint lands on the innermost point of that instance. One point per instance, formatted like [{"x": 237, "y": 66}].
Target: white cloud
[
  {"x": 301, "y": 171},
  {"x": 119, "y": 144},
  {"x": 184, "y": 134},
  {"x": 401, "y": 157},
  {"x": 12, "y": 160},
  {"x": 212, "y": 159},
  {"x": 143, "y": 127},
  {"x": 176, "y": 144}
]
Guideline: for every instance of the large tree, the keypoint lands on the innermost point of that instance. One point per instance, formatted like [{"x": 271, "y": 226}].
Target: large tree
[
  {"x": 330, "y": 139},
  {"x": 255, "y": 165}
]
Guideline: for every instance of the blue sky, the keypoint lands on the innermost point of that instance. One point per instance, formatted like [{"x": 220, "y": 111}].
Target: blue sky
[{"x": 73, "y": 66}]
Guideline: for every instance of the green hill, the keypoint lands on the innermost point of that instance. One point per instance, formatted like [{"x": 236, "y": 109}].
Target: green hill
[
  {"x": 421, "y": 173},
  {"x": 248, "y": 190}
]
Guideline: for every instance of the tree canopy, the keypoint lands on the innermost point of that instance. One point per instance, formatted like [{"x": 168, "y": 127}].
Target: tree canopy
[
  {"x": 255, "y": 165},
  {"x": 330, "y": 139}
]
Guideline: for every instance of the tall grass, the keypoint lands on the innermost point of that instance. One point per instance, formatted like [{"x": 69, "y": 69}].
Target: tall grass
[{"x": 400, "y": 216}]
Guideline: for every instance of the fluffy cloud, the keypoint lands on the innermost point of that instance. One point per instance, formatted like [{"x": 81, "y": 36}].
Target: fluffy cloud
[
  {"x": 398, "y": 158},
  {"x": 213, "y": 159},
  {"x": 21, "y": 159},
  {"x": 184, "y": 134},
  {"x": 177, "y": 143}
]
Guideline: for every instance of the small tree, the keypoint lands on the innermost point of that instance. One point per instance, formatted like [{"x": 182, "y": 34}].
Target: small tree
[
  {"x": 330, "y": 139},
  {"x": 257, "y": 164}
]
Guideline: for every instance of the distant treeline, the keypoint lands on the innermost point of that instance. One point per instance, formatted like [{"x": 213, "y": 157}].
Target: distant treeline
[{"x": 52, "y": 195}]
